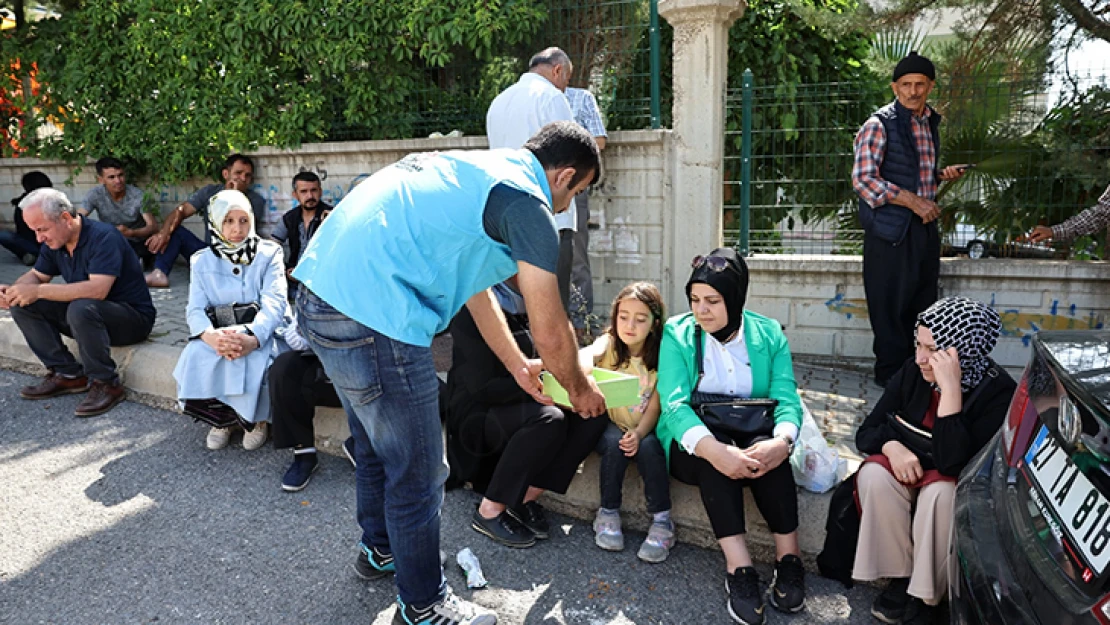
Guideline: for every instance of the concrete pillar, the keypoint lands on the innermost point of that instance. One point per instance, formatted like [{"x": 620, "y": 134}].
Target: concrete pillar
[{"x": 693, "y": 223}]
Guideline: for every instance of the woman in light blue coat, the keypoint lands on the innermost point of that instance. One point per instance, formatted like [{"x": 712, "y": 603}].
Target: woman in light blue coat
[{"x": 229, "y": 364}]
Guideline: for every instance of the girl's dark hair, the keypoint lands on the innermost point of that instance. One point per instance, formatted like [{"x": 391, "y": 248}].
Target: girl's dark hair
[{"x": 648, "y": 295}]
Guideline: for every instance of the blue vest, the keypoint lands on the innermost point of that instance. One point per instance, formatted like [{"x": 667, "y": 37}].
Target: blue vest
[
  {"x": 405, "y": 250},
  {"x": 901, "y": 160}
]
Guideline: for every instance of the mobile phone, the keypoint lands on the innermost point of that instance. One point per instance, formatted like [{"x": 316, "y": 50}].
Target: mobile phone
[{"x": 963, "y": 168}]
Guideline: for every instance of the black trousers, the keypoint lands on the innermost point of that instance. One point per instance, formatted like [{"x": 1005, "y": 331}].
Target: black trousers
[
  {"x": 95, "y": 324},
  {"x": 542, "y": 447},
  {"x": 297, "y": 386},
  {"x": 565, "y": 266},
  {"x": 899, "y": 281},
  {"x": 723, "y": 497}
]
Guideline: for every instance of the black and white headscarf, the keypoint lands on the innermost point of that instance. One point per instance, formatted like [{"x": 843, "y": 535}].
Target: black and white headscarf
[
  {"x": 968, "y": 325},
  {"x": 241, "y": 253}
]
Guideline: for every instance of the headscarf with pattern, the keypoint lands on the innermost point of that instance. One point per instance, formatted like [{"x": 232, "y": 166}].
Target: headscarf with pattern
[
  {"x": 222, "y": 203},
  {"x": 968, "y": 325}
]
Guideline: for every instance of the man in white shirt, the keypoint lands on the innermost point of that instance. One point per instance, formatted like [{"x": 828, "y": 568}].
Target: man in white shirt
[{"x": 519, "y": 112}]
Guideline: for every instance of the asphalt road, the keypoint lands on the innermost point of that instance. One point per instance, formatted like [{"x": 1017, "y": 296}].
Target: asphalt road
[{"x": 127, "y": 518}]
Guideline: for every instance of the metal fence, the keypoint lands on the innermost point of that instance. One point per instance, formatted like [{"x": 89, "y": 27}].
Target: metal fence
[
  {"x": 1040, "y": 144},
  {"x": 615, "y": 48}
]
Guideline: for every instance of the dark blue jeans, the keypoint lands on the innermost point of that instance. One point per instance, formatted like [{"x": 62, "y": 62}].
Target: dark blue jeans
[
  {"x": 391, "y": 394},
  {"x": 650, "y": 461},
  {"x": 18, "y": 245},
  {"x": 95, "y": 324},
  {"x": 182, "y": 242}
]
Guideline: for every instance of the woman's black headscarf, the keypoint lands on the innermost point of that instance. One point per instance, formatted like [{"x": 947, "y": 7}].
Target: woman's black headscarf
[
  {"x": 731, "y": 282},
  {"x": 971, "y": 327}
]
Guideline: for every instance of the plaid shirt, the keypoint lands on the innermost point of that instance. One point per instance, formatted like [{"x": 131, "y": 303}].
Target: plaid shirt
[
  {"x": 870, "y": 147},
  {"x": 1089, "y": 221},
  {"x": 584, "y": 106}
]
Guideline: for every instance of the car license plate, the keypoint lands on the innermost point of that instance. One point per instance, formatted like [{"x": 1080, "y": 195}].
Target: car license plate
[{"x": 1078, "y": 507}]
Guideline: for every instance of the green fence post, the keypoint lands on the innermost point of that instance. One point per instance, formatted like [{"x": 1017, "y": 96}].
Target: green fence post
[
  {"x": 653, "y": 39},
  {"x": 746, "y": 163}
]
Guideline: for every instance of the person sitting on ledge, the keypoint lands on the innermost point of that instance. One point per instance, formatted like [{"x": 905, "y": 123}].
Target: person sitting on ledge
[
  {"x": 231, "y": 345},
  {"x": 103, "y": 303},
  {"x": 22, "y": 242}
]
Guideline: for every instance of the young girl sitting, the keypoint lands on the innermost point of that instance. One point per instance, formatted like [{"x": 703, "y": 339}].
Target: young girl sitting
[{"x": 631, "y": 345}]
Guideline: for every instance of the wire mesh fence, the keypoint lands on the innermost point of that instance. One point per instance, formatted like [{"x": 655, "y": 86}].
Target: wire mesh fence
[
  {"x": 1039, "y": 144},
  {"x": 613, "y": 45}
]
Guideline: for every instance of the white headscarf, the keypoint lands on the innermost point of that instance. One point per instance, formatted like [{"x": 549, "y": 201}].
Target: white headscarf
[{"x": 219, "y": 206}]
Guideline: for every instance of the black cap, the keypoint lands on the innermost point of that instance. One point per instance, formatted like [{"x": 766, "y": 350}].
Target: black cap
[
  {"x": 32, "y": 180},
  {"x": 914, "y": 63}
]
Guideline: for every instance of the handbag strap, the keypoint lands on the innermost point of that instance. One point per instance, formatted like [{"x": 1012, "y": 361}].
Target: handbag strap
[{"x": 698, "y": 354}]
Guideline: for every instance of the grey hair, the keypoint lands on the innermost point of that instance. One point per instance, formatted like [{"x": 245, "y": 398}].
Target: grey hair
[
  {"x": 51, "y": 202},
  {"x": 550, "y": 56}
]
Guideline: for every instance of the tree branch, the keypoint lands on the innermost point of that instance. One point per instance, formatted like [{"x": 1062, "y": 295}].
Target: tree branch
[{"x": 1086, "y": 19}]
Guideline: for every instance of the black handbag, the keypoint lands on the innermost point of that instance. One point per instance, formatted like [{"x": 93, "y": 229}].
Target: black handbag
[
  {"x": 231, "y": 314},
  {"x": 919, "y": 440},
  {"x": 740, "y": 421},
  {"x": 213, "y": 412}
]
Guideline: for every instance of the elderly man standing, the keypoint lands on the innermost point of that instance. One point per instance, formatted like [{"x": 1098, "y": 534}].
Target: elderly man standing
[
  {"x": 896, "y": 174},
  {"x": 518, "y": 113},
  {"x": 386, "y": 272},
  {"x": 103, "y": 303}
]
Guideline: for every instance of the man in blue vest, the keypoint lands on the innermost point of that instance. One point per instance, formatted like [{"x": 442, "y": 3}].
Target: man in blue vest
[
  {"x": 386, "y": 272},
  {"x": 896, "y": 174}
]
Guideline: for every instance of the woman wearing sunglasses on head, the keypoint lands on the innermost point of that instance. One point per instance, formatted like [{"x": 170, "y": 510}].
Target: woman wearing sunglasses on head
[{"x": 709, "y": 359}]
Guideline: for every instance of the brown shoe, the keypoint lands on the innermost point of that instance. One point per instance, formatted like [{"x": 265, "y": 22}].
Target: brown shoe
[
  {"x": 101, "y": 398},
  {"x": 53, "y": 385}
]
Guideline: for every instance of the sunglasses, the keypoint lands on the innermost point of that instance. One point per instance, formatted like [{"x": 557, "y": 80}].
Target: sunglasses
[{"x": 716, "y": 264}]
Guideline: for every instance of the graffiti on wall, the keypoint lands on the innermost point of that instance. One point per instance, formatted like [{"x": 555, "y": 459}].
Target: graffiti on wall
[{"x": 850, "y": 308}]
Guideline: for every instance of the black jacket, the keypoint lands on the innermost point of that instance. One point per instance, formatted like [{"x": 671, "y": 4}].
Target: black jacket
[
  {"x": 956, "y": 438},
  {"x": 293, "y": 219}
]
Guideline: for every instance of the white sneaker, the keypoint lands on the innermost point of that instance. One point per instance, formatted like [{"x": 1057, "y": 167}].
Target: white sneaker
[
  {"x": 257, "y": 437},
  {"x": 218, "y": 438}
]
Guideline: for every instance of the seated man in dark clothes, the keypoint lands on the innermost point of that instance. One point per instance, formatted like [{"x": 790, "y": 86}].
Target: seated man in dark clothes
[
  {"x": 509, "y": 447},
  {"x": 22, "y": 242},
  {"x": 103, "y": 303},
  {"x": 299, "y": 223}
]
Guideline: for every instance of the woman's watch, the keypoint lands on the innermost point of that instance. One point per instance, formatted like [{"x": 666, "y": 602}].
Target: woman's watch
[{"x": 789, "y": 442}]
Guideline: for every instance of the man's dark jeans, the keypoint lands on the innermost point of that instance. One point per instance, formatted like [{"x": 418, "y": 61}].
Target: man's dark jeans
[
  {"x": 18, "y": 245},
  {"x": 182, "y": 242},
  {"x": 95, "y": 324}
]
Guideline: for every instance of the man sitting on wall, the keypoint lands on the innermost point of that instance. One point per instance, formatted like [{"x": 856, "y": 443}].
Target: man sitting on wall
[
  {"x": 299, "y": 224},
  {"x": 103, "y": 303},
  {"x": 22, "y": 242},
  {"x": 238, "y": 174},
  {"x": 119, "y": 204}
]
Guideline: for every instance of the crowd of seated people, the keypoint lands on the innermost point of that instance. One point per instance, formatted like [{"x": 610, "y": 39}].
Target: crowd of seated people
[{"x": 246, "y": 367}]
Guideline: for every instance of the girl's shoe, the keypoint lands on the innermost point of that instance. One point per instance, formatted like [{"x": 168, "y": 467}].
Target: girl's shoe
[
  {"x": 657, "y": 545},
  {"x": 218, "y": 438},
  {"x": 607, "y": 531}
]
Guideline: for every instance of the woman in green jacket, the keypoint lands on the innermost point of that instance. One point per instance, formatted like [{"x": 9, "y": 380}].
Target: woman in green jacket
[{"x": 744, "y": 355}]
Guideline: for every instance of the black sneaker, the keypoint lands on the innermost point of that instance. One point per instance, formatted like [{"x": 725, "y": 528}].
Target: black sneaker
[
  {"x": 531, "y": 514},
  {"x": 504, "y": 529},
  {"x": 349, "y": 451},
  {"x": 788, "y": 586},
  {"x": 450, "y": 611},
  {"x": 372, "y": 564},
  {"x": 890, "y": 605},
  {"x": 918, "y": 613},
  {"x": 745, "y": 602},
  {"x": 299, "y": 473}
]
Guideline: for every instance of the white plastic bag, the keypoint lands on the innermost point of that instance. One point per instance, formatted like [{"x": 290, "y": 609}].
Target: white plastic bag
[{"x": 817, "y": 467}]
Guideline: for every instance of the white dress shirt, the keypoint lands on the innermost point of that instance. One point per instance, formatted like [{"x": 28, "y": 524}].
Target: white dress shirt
[{"x": 519, "y": 112}]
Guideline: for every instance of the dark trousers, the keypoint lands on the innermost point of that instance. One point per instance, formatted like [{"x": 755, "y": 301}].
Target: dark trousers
[
  {"x": 182, "y": 242},
  {"x": 723, "y": 497},
  {"x": 565, "y": 265},
  {"x": 297, "y": 385},
  {"x": 528, "y": 436},
  {"x": 95, "y": 324},
  {"x": 650, "y": 461},
  {"x": 581, "y": 280},
  {"x": 18, "y": 245},
  {"x": 581, "y": 439},
  {"x": 139, "y": 247},
  {"x": 899, "y": 281}
]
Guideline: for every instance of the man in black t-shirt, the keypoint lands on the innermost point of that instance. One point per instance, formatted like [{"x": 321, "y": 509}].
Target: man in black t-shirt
[{"x": 104, "y": 302}]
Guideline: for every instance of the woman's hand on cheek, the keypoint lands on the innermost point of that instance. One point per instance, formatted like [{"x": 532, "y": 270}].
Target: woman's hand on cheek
[{"x": 946, "y": 369}]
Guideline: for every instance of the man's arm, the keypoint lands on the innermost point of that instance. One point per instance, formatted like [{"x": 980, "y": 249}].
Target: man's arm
[
  {"x": 1090, "y": 221},
  {"x": 33, "y": 286},
  {"x": 554, "y": 338},
  {"x": 158, "y": 242},
  {"x": 141, "y": 233}
]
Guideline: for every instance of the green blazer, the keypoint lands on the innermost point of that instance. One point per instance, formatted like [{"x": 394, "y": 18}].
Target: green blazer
[{"x": 772, "y": 374}]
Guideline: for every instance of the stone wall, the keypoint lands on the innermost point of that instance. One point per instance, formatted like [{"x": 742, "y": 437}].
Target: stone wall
[{"x": 821, "y": 302}]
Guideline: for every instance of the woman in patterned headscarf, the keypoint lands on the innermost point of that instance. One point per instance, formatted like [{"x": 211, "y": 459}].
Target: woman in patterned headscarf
[
  {"x": 937, "y": 412},
  {"x": 223, "y": 366}
]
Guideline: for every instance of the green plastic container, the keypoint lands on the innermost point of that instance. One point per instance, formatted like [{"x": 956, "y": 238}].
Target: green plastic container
[{"x": 620, "y": 389}]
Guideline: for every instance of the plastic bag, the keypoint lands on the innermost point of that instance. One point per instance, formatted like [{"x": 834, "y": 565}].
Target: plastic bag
[{"x": 817, "y": 467}]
